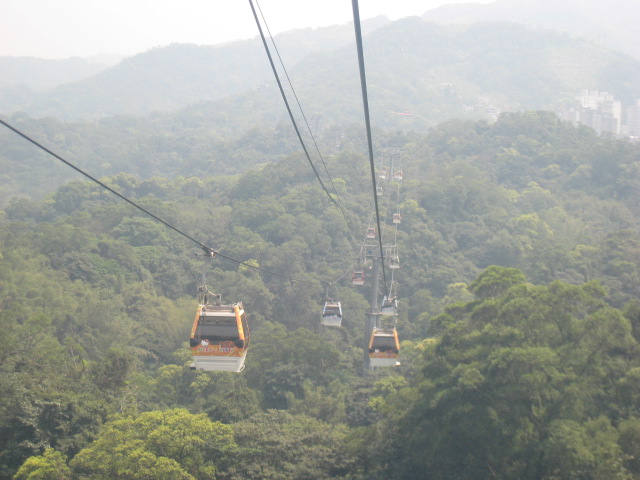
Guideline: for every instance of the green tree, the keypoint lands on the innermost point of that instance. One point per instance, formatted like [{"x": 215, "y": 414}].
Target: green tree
[
  {"x": 516, "y": 373},
  {"x": 276, "y": 445},
  {"x": 51, "y": 465},
  {"x": 160, "y": 444},
  {"x": 282, "y": 360}
]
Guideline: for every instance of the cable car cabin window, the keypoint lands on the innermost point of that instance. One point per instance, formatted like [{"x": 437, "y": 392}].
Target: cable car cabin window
[
  {"x": 331, "y": 310},
  {"x": 383, "y": 343},
  {"x": 218, "y": 329}
]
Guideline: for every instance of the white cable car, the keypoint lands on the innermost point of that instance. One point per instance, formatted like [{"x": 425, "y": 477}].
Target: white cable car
[
  {"x": 379, "y": 191},
  {"x": 219, "y": 337},
  {"x": 332, "y": 314},
  {"x": 384, "y": 348},
  {"x": 397, "y": 175},
  {"x": 358, "y": 277},
  {"x": 397, "y": 218},
  {"x": 394, "y": 261},
  {"x": 371, "y": 232},
  {"x": 389, "y": 306}
]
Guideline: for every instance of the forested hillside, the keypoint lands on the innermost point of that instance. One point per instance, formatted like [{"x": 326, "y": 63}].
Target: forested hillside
[
  {"x": 518, "y": 316},
  {"x": 40, "y": 74},
  {"x": 24, "y": 79}
]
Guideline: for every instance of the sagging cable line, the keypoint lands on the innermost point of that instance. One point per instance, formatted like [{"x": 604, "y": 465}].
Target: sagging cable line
[
  {"x": 286, "y": 102},
  {"x": 365, "y": 102},
  {"x": 107, "y": 187},
  {"x": 207, "y": 250},
  {"x": 304, "y": 117},
  {"x": 275, "y": 47}
]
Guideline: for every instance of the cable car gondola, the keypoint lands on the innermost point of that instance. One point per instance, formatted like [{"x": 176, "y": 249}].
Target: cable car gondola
[
  {"x": 219, "y": 337},
  {"x": 358, "y": 277},
  {"x": 397, "y": 218},
  {"x": 384, "y": 348},
  {"x": 389, "y": 306},
  {"x": 332, "y": 314},
  {"x": 371, "y": 232}
]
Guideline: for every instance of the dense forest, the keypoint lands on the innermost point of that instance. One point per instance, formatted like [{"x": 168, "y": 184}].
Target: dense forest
[
  {"x": 518, "y": 315},
  {"x": 519, "y": 252}
]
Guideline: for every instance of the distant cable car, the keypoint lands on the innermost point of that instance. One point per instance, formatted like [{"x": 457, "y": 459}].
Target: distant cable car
[
  {"x": 219, "y": 337},
  {"x": 394, "y": 261},
  {"x": 379, "y": 191},
  {"x": 384, "y": 348},
  {"x": 358, "y": 277},
  {"x": 398, "y": 175},
  {"x": 397, "y": 218},
  {"x": 389, "y": 306},
  {"x": 332, "y": 314},
  {"x": 371, "y": 232}
]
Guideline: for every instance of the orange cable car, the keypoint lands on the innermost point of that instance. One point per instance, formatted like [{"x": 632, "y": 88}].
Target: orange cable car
[
  {"x": 219, "y": 337},
  {"x": 384, "y": 348}
]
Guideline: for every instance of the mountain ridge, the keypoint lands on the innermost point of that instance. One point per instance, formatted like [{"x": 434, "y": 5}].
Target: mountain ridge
[{"x": 611, "y": 24}]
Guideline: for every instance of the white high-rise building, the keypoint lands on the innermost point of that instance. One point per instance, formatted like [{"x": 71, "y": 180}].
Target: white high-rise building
[
  {"x": 600, "y": 111},
  {"x": 633, "y": 120}
]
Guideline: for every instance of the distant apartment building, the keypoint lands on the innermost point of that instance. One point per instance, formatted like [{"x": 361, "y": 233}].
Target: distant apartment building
[
  {"x": 598, "y": 110},
  {"x": 633, "y": 120}
]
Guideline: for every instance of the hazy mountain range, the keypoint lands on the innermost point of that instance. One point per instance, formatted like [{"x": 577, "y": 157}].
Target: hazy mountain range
[
  {"x": 611, "y": 23},
  {"x": 419, "y": 72},
  {"x": 164, "y": 78}
]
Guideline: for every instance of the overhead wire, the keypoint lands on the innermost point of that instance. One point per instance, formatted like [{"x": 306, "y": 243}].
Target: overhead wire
[
  {"x": 337, "y": 203},
  {"x": 208, "y": 250},
  {"x": 395, "y": 236},
  {"x": 388, "y": 202},
  {"x": 293, "y": 91},
  {"x": 212, "y": 252},
  {"x": 347, "y": 271},
  {"x": 365, "y": 102},
  {"x": 286, "y": 102}
]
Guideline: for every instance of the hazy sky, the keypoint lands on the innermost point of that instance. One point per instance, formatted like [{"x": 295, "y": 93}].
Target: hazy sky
[{"x": 66, "y": 28}]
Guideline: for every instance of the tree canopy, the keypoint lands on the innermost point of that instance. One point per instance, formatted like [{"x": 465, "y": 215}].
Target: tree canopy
[{"x": 518, "y": 317}]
